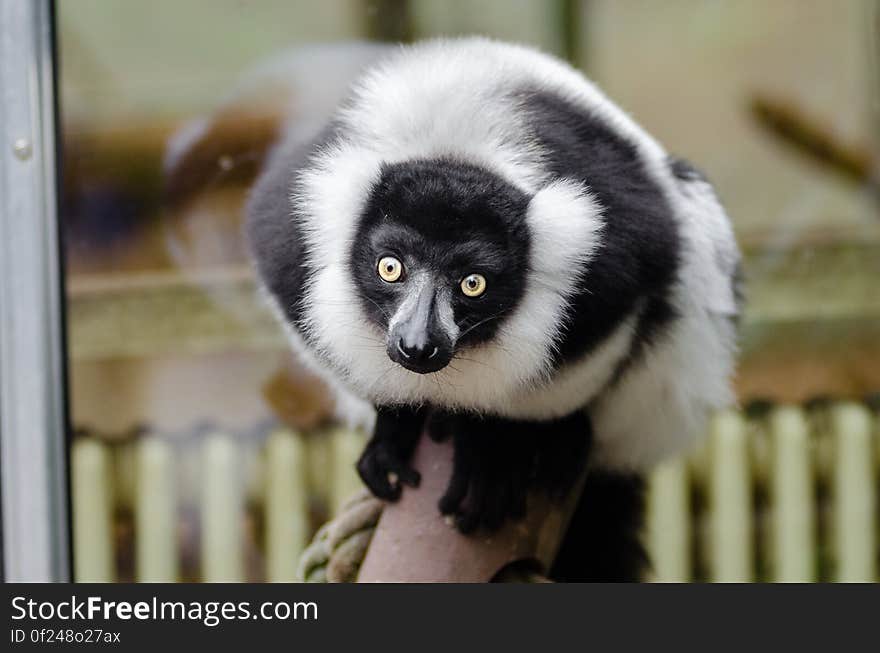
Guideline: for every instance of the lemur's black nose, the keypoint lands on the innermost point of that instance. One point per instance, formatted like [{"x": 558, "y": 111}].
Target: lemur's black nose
[
  {"x": 417, "y": 339},
  {"x": 417, "y": 353},
  {"x": 423, "y": 357}
]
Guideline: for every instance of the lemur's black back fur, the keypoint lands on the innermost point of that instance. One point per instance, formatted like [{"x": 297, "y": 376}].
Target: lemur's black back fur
[
  {"x": 275, "y": 241},
  {"x": 639, "y": 257}
]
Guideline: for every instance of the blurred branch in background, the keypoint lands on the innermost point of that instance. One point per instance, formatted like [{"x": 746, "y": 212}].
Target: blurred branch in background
[
  {"x": 388, "y": 20},
  {"x": 874, "y": 68},
  {"x": 570, "y": 32},
  {"x": 808, "y": 136}
]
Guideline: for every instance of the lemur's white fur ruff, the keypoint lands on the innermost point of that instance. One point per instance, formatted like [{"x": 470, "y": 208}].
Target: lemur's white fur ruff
[{"x": 454, "y": 98}]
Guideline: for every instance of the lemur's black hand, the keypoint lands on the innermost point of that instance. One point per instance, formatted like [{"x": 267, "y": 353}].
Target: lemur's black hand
[
  {"x": 497, "y": 462},
  {"x": 384, "y": 465},
  {"x": 490, "y": 481}
]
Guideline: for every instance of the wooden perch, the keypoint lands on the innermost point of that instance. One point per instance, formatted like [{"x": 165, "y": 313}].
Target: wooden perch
[{"x": 410, "y": 541}]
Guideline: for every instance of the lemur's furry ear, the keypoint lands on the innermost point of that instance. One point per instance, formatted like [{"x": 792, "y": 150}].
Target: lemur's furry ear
[{"x": 565, "y": 222}]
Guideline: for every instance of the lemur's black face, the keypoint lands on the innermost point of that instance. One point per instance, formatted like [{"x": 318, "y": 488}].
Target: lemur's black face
[{"x": 440, "y": 259}]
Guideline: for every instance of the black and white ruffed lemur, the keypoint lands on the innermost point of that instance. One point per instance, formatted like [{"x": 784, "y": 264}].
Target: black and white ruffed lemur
[{"x": 480, "y": 239}]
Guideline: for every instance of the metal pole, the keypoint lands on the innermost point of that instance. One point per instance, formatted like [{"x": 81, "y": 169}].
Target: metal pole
[{"x": 33, "y": 474}]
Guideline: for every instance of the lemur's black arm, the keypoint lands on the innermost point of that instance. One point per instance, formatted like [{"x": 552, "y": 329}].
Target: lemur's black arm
[
  {"x": 499, "y": 461},
  {"x": 385, "y": 463},
  {"x": 496, "y": 462}
]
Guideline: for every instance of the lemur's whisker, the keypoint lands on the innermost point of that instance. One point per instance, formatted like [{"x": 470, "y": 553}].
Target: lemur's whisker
[
  {"x": 482, "y": 322},
  {"x": 379, "y": 306},
  {"x": 478, "y": 362},
  {"x": 388, "y": 368}
]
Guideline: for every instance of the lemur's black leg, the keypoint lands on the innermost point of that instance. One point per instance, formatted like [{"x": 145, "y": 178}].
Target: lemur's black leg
[
  {"x": 498, "y": 461},
  {"x": 603, "y": 540},
  {"x": 384, "y": 464}
]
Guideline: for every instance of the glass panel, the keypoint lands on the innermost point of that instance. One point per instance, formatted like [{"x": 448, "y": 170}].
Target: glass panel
[{"x": 202, "y": 451}]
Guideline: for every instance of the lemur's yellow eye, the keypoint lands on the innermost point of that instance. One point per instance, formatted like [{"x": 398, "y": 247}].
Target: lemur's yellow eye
[
  {"x": 390, "y": 269},
  {"x": 473, "y": 285}
]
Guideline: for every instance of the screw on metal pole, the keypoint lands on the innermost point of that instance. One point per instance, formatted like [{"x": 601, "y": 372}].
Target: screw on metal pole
[{"x": 22, "y": 149}]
